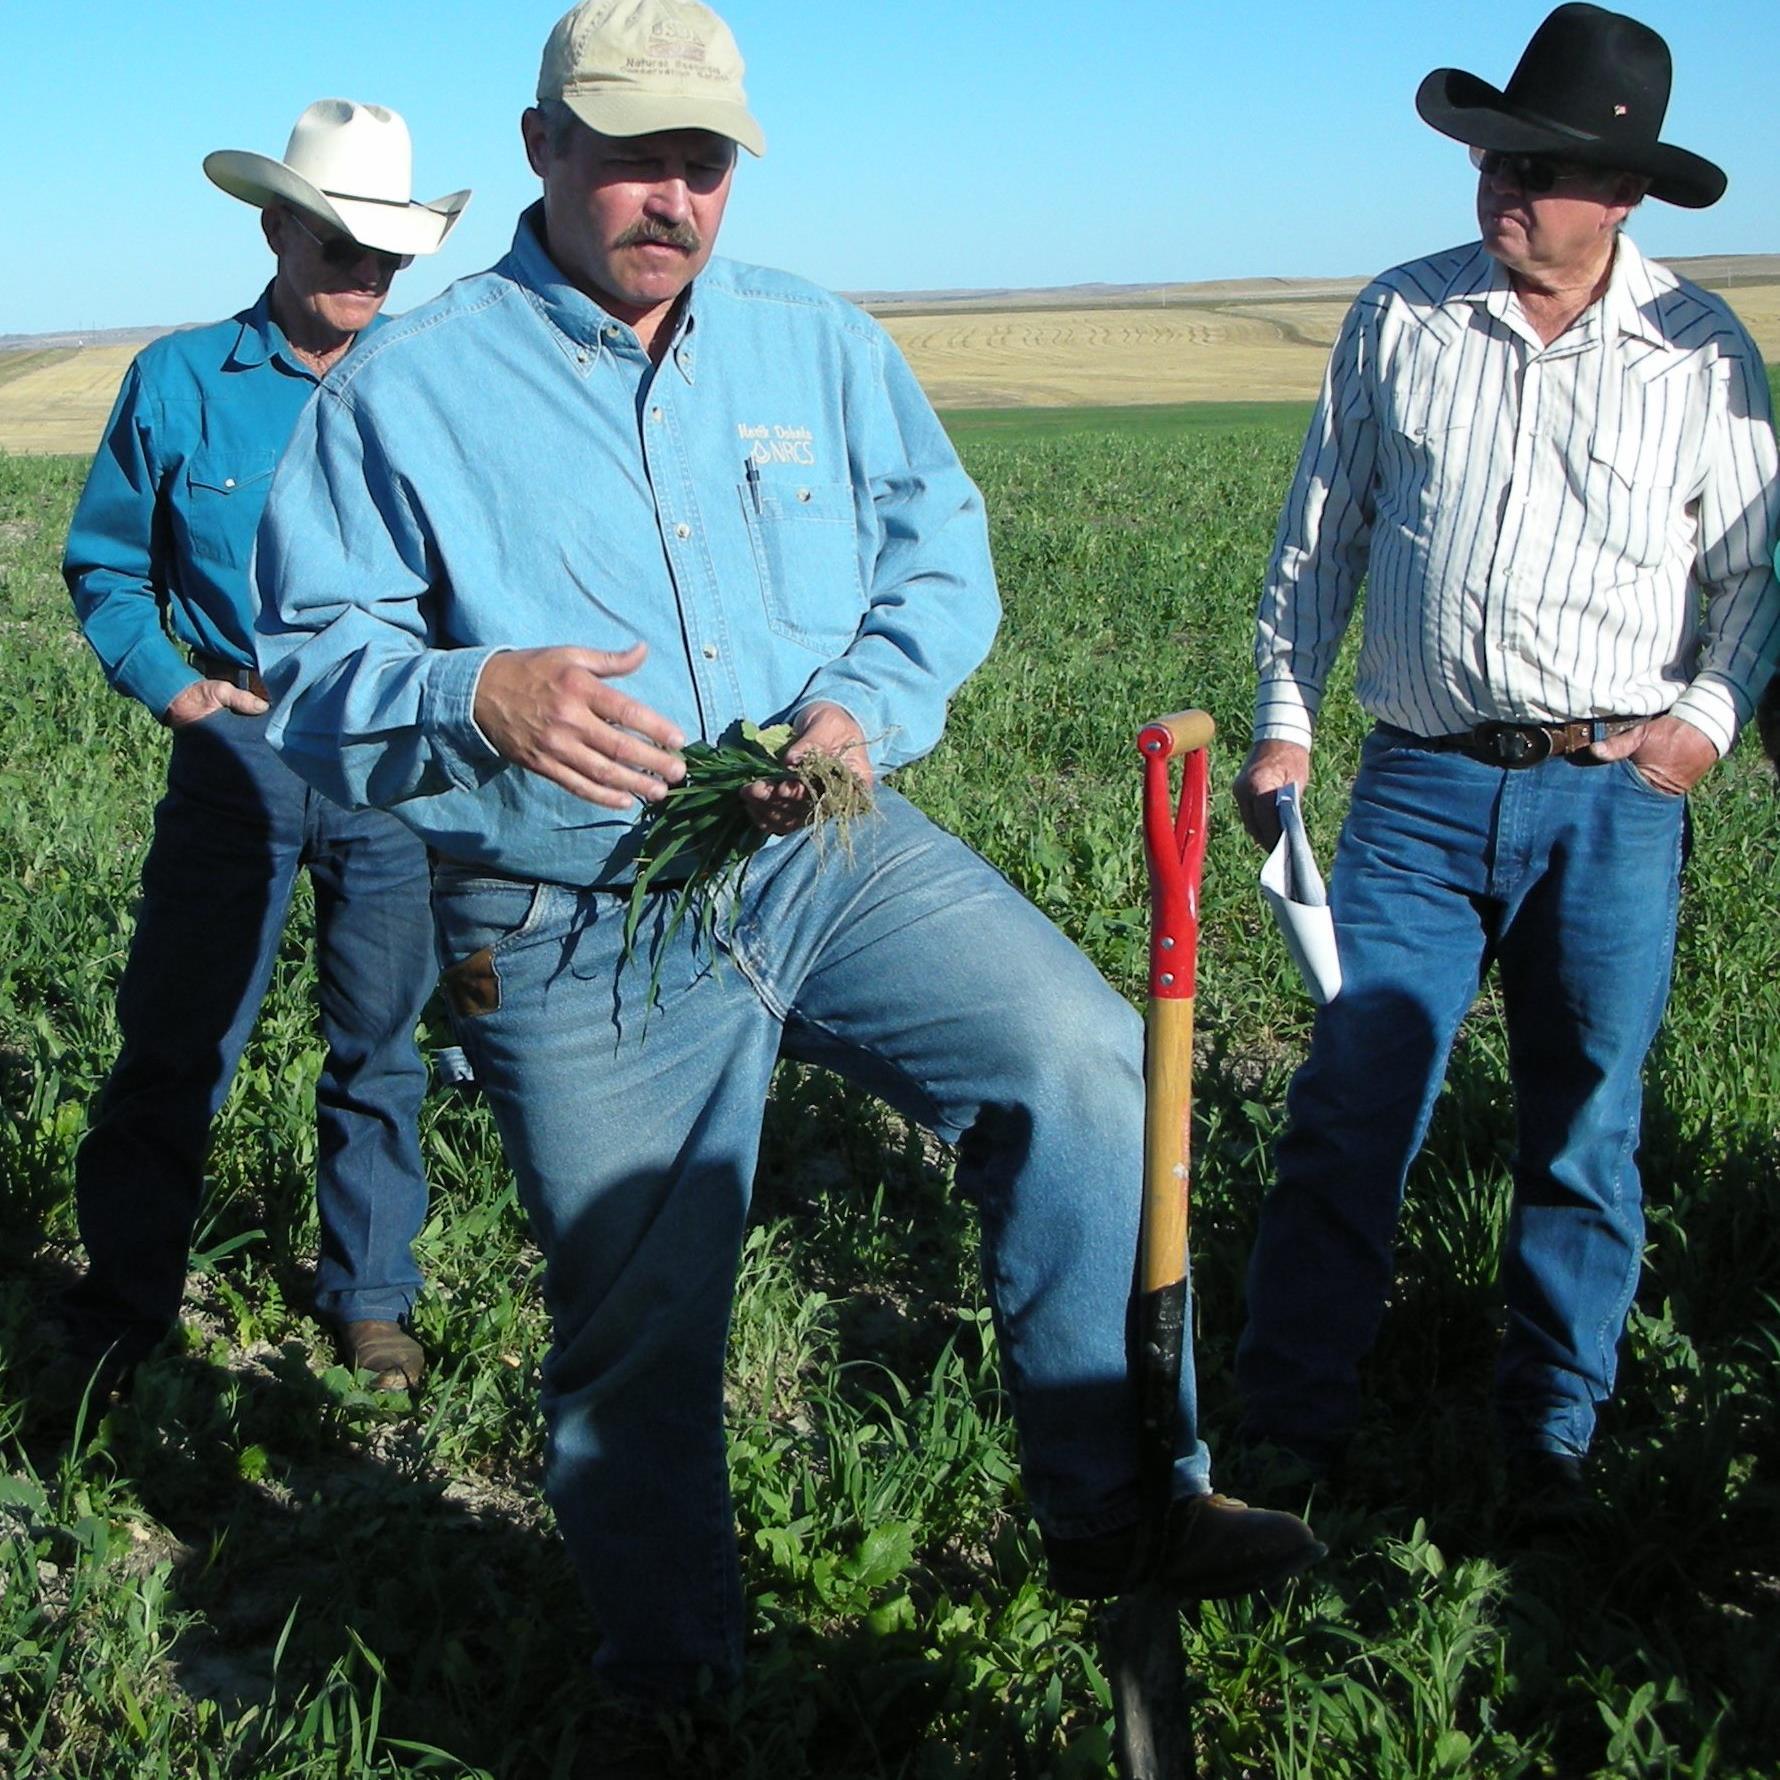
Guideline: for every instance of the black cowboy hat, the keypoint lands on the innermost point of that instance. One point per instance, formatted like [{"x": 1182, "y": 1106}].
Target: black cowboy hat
[{"x": 1591, "y": 88}]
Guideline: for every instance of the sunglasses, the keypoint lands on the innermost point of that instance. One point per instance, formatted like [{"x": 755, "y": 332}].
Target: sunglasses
[
  {"x": 1533, "y": 174},
  {"x": 342, "y": 253}
]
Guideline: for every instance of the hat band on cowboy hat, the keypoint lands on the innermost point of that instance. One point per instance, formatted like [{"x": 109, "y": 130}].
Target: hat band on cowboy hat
[
  {"x": 631, "y": 67},
  {"x": 1592, "y": 87},
  {"x": 350, "y": 166}
]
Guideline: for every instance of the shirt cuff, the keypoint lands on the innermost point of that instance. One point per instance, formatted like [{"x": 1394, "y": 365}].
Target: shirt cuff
[
  {"x": 1715, "y": 708},
  {"x": 1285, "y": 711},
  {"x": 155, "y": 673},
  {"x": 858, "y": 705},
  {"x": 448, "y": 713}
]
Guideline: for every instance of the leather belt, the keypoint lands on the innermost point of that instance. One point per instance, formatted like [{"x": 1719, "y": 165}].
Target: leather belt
[
  {"x": 1515, "y": 745},
  {"x": 219, "y": 667}
]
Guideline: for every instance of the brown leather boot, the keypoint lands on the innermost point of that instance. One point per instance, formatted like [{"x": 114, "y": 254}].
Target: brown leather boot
[
  {"x": 387, "y": 1351},
  {"x": 1215, "y": 1549}
]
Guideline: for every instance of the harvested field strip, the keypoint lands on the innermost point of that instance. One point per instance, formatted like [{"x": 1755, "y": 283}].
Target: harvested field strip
[
  {"x": 18, "y": 364},
  {"x": 60, "y": 405},
  {"x": 1067, "y": 358}
]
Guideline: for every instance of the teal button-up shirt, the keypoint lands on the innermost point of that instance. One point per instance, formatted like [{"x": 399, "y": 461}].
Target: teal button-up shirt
[
  {"x": 774, "y": 510},
  {"x": 162, "y": 537}
]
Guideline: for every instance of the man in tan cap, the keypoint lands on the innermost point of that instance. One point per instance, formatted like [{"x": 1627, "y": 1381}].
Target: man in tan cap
[
  {"x": 610, "y": 495},
  {"x": 157, "y": 562}
]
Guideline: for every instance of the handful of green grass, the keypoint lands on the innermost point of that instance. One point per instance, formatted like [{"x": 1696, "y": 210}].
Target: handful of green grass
[{"x": 702, "y": 826}]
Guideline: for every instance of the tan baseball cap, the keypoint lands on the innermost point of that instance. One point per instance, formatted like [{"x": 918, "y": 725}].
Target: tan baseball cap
[{"x": 629, "y": 67}]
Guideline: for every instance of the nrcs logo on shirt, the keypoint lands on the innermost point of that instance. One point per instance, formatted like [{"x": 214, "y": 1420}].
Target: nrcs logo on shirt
[{"x": 778, "y": 444}]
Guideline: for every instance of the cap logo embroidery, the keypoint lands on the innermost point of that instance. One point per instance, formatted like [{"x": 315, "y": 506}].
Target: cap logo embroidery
[
  {"x": 675, "y": 42},
  {"x": 1619, "y": 111}
]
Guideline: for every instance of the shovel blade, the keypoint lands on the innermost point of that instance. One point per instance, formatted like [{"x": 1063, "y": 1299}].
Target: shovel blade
[{"x": 1145, "y": 1667}]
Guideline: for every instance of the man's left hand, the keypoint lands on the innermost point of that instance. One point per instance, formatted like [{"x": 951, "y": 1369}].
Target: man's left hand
[
  {"x": 1670, "y": 753},
  {"x": 824, "y": 729}
]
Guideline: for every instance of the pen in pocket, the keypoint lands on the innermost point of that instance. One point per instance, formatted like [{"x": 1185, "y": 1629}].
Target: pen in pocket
[{"x": 752, "y": 470}]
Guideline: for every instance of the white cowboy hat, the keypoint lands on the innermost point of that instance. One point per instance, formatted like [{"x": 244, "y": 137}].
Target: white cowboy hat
[{"x": 352, "y": 166}]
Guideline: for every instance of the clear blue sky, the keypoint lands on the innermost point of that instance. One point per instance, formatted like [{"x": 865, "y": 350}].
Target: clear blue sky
[{"x": 934, "y": 143}]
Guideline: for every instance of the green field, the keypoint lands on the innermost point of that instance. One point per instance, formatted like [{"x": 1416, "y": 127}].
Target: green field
[
  {"x": 254, "y": 1569},
  {"x": 1031, "y": 426}
]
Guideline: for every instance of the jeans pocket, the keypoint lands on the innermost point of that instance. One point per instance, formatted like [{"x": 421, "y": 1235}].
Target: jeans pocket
[
  {"x": 477, "y": 919},
  {"x": 1629, "y": 768}
]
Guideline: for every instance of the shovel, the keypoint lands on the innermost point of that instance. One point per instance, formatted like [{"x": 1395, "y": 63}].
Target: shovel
[{"x": 1140, "y": 1633}]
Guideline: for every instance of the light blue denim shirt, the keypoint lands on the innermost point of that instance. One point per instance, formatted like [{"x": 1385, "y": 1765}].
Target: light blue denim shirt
[
  {"x": 167, "y": 518},
  {"x": 774, "y": 510}
]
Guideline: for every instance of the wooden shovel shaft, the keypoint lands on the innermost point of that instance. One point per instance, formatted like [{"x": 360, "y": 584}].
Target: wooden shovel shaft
[{"x": 1167, "y": 1138}]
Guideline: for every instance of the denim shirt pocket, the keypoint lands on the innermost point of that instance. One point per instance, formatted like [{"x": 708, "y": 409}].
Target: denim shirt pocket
[
  {"x": 225, "y": 496},
  {"x": 805, "y": 541}
]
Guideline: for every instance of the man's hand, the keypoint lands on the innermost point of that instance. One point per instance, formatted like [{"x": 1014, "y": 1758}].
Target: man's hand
[
  {"x": 1269, "y": 766},
  {"x": 1668, "y": 751},
  {"x": 822, "y": 728},
  {"x": 204, "y": 697},
  {"x": 552, "y": 712}
]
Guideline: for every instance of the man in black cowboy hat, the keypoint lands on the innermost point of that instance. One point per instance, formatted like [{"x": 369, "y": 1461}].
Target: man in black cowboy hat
[{"x": 1534, "y": 449}]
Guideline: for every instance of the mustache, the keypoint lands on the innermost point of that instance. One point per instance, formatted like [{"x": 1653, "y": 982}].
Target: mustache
[{"x": 647, "y": 233}]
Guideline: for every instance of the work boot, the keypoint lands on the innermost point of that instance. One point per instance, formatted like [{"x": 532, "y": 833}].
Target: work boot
[
  {"x": 1545, "y": 1492},
  {"x": 386, "y": 1350},
  {"x": 1214, "y": 1548}
]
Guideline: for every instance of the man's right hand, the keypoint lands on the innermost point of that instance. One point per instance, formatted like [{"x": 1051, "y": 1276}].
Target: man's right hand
[
  {"x": 552, "y": 712},
  {"x": 1269, "y": 766},
  {"x": 203, "y": 698}
]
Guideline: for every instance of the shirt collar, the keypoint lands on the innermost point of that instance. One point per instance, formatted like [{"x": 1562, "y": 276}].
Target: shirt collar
[
  {"x": 260, "y": 335},
  {"x": 584, "y": 325},
  {"x": 1627, "y": 306},
  {"x": 261, "y": 339},
  {"x": 1479, "y": 279},
  {"x": 1634, "y": 292}
]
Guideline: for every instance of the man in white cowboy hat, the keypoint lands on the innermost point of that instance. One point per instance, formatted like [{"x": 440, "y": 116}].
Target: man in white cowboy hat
[
  {"x": 1550, "y": 460},
  {"x": 157, "y": 562},
  {"x": 612, "y": 494}
]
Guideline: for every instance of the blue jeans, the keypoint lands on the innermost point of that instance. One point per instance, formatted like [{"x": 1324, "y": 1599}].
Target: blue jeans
[
  {"x": 912, "y": 968},
  {"x": 230, "y": 834},
  {"x": 1567, "y": 877}
]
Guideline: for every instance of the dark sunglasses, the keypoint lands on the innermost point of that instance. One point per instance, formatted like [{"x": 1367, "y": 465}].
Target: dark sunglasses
[
  {"x": 342, "y": 253},
  {"x": 1533, "y": 174}
]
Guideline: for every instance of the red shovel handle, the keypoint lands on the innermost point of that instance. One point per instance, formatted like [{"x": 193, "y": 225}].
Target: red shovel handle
[{"x": 1174, "y": 842}]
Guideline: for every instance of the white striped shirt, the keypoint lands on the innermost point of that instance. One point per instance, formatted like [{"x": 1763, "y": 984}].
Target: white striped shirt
[{"x": 1545, "y": 532}]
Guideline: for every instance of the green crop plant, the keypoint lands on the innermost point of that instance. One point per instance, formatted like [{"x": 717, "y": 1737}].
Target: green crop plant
[
  {"x": 698, "y": 839},
  {"x": 256, "y": 1571}
]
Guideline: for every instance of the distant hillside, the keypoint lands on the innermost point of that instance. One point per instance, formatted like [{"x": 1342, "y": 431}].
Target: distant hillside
[
  {"x": 92, "y": 337},
  {"x": 1067, "y": 346},
  {"x": 1722, "y": 271}
]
